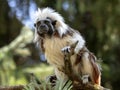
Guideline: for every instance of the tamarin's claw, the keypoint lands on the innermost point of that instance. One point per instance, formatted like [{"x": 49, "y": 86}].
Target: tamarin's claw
[
  {"x": 66, "y": 49},
  {"x": 52, "y": 79},
  {"x": 85, "y": 78}
]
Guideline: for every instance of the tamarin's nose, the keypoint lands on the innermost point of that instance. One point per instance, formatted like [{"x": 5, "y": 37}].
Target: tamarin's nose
[{"x": 42, "y": 26}]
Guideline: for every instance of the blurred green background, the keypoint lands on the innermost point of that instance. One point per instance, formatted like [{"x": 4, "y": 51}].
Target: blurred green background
[{"x": 97, "y": 20}]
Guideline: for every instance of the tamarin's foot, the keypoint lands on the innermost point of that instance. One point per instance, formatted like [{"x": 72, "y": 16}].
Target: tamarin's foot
[
  {"x": 85, "y": 79},
  {"x": 52, "y": 79}
]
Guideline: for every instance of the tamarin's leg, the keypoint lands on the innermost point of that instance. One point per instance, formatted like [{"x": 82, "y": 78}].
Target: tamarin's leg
[{"x": 60, "y": 74}]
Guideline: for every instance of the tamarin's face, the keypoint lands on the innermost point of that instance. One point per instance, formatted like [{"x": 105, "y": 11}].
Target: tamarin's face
[{"x": 46, "y": 26}]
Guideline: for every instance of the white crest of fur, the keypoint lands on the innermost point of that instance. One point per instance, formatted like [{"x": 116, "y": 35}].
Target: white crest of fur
[{"x": 42, "y": 14}]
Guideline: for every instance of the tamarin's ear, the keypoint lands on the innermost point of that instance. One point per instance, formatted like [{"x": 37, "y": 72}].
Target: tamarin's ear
[
  {"x": 54, "y": 22},
  {"x": 34, "y": 24}
]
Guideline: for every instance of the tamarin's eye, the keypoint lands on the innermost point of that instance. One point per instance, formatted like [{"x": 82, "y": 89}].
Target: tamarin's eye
[{"x": 38, "y": 23}]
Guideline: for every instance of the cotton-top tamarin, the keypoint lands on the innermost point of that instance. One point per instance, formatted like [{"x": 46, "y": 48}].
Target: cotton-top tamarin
[{"x": 52, "y": 34}]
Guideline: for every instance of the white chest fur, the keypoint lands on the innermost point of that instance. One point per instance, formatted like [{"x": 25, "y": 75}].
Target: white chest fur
[{"x": 53, "y": 52}]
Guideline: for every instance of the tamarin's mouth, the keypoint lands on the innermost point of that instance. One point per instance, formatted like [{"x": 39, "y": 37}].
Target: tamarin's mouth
[{"x": 41, "y": 35}]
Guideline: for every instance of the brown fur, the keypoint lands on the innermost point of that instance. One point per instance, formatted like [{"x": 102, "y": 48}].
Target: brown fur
[
  {"x": 96, "y": 70},
  {"x": 95, "y": 74}
]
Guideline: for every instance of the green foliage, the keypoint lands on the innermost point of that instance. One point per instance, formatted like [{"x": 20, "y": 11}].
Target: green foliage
[{"x": 60, "y": 85}]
